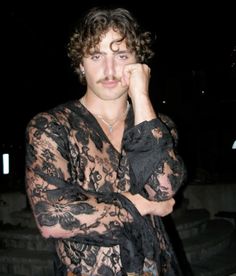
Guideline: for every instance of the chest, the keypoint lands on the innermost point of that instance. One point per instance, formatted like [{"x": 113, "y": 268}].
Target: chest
[{"x": 97, "y": 162}]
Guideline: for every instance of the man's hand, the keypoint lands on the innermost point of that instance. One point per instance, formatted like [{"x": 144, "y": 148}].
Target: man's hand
[
  {"x": 147, "y": 207},
  {"x": 136, "y": 76}
]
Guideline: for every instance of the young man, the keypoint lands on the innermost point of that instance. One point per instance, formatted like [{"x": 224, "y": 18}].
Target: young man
[{"x": 102, "y": 170}]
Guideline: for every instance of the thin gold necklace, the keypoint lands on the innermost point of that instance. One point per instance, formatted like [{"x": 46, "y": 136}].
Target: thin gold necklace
[{"x": 115, "y": 122}]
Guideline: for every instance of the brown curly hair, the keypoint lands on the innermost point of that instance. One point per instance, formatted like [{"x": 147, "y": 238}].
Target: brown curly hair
[{"x": 96, "y": 23}]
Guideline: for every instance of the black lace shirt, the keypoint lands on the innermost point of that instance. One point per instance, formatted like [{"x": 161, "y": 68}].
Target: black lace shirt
[{"x": 75, "y": 179}]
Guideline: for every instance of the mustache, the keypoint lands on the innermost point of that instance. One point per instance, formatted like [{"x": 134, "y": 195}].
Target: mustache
[{"x": 109, "y": 78}]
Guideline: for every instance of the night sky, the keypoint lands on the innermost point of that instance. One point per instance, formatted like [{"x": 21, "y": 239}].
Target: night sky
[{"x": 193, "y": 70}]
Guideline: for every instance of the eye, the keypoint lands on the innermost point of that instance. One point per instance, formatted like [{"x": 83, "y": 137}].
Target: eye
[
  {"x": 96, "y": 57},
  {"x": 123, "y": 56}
]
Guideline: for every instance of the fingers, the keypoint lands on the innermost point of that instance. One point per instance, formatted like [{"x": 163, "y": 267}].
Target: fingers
[
  {"x": 164, "y": 208},
  {"x": 172, "y": 201},
  {"x": 168, "y": 206},
  {"x": 130, "y": 69},
  {"x": 136, "y": 77}
]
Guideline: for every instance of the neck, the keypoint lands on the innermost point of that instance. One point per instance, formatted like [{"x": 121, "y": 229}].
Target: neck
[{"x": 110, "y": 123}]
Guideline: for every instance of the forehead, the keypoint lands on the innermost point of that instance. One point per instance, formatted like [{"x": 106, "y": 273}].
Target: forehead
[{"x": 112, "y": 37}]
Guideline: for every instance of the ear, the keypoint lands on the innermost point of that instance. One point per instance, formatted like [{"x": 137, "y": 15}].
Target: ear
[{"x": 81, "y": 68}]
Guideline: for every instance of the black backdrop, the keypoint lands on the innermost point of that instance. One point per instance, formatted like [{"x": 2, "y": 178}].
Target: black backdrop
[{"x": 193, "y": 73}]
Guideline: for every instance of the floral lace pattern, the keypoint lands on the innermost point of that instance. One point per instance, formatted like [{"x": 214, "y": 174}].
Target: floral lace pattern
[{"x": 75, "y": 179}]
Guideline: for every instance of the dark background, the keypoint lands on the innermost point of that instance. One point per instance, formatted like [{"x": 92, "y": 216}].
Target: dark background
[{"x": 193, "y": 74}]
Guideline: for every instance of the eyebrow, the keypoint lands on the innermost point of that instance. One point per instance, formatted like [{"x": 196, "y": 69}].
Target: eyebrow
[{"x": 114, "y": 52}]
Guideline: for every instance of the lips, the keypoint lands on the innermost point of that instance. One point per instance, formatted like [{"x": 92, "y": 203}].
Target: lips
[{"x": 110, "y": 83}]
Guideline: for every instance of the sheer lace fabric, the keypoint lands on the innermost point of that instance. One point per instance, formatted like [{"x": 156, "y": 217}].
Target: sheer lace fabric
[{"x": 75, "y": 179}]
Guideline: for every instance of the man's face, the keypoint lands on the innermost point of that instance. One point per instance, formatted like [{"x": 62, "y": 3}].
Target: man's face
[{"x": 104, "y": 67}]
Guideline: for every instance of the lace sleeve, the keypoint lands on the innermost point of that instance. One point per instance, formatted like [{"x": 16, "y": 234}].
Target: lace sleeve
[
  {"x": 60, "y": 207},
  {"x": 155, "y": 166}
]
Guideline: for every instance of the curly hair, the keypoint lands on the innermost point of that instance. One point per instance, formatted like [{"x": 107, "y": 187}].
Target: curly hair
[{"x": 96, "y": 23}]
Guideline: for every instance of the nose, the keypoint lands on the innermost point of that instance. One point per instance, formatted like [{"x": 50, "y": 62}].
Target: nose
[{"x": 110, "y": 67}]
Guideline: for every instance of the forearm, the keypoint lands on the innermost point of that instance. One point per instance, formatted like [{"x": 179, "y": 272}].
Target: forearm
[
  {"x": 62, "y": 209},
  {"x": 143, "y": 109},
  {"x": 66, "y": 218},
  {"x": 153, "y": 160}
]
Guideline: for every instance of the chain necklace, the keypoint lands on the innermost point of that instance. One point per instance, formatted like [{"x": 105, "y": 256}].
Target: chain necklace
[{"x": 115, "y": 122}]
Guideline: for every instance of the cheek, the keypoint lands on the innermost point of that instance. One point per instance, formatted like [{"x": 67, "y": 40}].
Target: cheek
[
  {"x": 119, "y": 67},
  {"x": 93, "y": 76},
  {"x": 91, "y": 69},
  {"x": 90, "y": 77}
]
